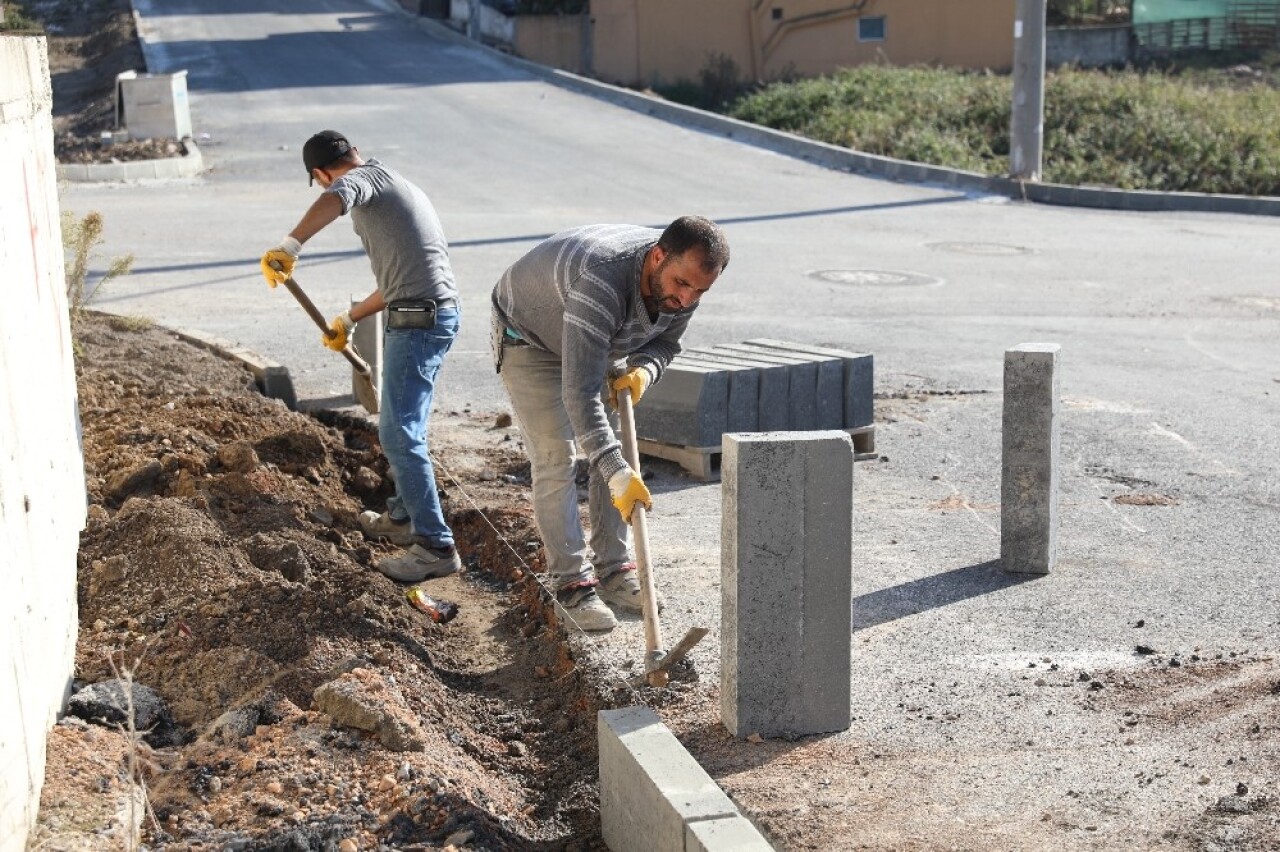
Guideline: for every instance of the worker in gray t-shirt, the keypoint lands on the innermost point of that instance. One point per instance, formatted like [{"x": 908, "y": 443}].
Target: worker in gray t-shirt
[
  {"x": 410, "y": 258},
  {"x": 583, "y": 315}
]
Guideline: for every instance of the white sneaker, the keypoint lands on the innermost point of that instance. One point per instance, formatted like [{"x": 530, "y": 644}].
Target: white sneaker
[
  {"x": 376, "y": 525},
  {"x": 421, "y": 562},
  {"x": 622, "y": 589},
  {"x": 584, "y": 608}
]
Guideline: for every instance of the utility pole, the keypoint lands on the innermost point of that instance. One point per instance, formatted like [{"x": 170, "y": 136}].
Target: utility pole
[
  {"x": 1026, "y": 132},
  {"x": 586, "y": 56}
]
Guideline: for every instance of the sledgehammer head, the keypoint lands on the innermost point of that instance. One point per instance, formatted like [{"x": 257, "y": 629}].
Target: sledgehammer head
[{"x": 657, "y": 667}]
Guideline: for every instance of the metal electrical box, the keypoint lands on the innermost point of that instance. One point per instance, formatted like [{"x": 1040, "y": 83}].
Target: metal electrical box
[{"x": 153, "y": 106}]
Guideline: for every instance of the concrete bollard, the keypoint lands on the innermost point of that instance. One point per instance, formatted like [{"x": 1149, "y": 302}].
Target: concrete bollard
[
  {"x": 786, "y": 557},
  {"x": 1029, "y": 470},
  {"x": 367, "y": 341}
]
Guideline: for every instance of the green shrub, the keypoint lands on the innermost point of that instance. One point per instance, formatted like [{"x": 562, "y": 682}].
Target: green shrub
[
  {"x": 1125, "y": 129},
  {"x": 16, "y": 20}
]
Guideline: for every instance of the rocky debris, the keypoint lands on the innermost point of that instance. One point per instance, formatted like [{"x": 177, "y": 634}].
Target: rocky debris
[
  {"x": 110, "y": 703},
  {"x": 363, "y": 699},
  {"x": 269, "y": 552},
  {"x": 88, "y": 800},
  {"x": 126, "y": 483},
  {"x": 238, "y": 457},
  {"x": 247, "y": 600}
]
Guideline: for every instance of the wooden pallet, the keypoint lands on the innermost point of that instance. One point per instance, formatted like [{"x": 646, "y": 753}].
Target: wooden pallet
[{"x": 703, "y": 463}]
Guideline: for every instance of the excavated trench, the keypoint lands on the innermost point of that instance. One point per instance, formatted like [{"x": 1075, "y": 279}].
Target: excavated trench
[{"x": 309, "y": 705}]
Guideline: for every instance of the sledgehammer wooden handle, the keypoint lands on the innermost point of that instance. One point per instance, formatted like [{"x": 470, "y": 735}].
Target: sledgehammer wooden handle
[
  {"x": 640, "y": 532},
  {"x": 314, "y": 312}
]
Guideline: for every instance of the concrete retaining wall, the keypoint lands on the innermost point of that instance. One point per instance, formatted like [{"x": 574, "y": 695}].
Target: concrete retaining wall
[{"x": 42, "y": 493}]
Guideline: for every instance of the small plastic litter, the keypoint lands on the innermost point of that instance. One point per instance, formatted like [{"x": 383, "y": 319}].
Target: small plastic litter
[{"x": 440, "y": 611}]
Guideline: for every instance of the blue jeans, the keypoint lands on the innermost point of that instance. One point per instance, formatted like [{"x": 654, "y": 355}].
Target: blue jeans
[{"x": 411, "y": 360}]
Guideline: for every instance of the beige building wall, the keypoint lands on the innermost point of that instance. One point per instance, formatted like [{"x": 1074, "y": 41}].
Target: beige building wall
[
  {"x": 643, "y": 42},
  {"x": 554, "y": 40},
  {"x": 42, "y": 493}
]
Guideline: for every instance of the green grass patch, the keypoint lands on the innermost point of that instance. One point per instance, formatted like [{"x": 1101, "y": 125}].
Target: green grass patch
[
  {"x": 16, "y": 20},
  {"x": 1127, "y": 129}
]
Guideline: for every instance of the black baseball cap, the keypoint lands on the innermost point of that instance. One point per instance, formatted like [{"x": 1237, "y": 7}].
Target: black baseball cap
[{"x": 322, "y": 149}]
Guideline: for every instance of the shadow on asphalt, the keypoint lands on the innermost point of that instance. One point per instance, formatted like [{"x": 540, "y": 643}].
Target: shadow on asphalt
[{"x": 899, "y": 601}]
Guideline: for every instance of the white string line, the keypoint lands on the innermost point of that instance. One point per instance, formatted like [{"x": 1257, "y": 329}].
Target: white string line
[{"x": 596, "y": 648}]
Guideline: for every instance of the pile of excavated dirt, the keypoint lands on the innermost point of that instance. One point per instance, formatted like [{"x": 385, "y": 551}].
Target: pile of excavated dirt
[{"x": 312, "y": 707}]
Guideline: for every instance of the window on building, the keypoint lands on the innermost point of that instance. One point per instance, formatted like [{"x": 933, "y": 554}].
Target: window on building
[
  {"x": 777, "y": 13},
  {"x": 871, "y": 29}
]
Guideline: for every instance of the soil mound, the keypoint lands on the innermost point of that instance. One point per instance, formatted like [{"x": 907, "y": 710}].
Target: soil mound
[{"x": 222, "y": 568}]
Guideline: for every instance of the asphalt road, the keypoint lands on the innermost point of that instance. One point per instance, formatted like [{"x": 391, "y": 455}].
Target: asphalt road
[{"x": 1169, "y": 326}]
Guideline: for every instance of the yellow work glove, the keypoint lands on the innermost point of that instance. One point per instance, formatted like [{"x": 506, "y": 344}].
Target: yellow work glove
[
  {"x": 635, "y": 380},
  {"x": 277, "y": 263},
  {"x": 627, "y": 489},
  {"x": 336, "y": 337}
]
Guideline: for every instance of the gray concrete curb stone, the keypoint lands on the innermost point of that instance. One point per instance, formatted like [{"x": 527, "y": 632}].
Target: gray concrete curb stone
[
  {"x": 654, "y": 797},
  {"x": 273, "y": 379},
  {"x": 188, "y": 165}
]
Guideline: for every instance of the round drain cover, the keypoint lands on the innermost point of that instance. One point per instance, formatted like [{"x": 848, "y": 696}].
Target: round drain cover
[
  {"x": 990, "y": 249},
  {"x": 875, "y": 277}
]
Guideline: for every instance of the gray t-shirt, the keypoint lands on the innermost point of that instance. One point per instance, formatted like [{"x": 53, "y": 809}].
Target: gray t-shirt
[
  {"x": 400, "y": 231},
  {"x": 577, "y": 294}
]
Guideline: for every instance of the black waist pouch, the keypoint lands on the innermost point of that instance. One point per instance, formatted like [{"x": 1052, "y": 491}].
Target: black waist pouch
[{"x": 411, "y": 313}]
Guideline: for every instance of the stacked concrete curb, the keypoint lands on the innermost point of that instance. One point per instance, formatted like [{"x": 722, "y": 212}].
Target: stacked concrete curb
[
  {"x": 654, "y": 797},
  {"x": 189, "y": 164},
  {"x": 844, "y": 159}
]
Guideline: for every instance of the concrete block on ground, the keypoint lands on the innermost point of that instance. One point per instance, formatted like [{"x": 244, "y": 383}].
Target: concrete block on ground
[
  {"x": 773, "y": 403},
  {"x": 275, "y": 383},
  {"x": 859, "y": 378},
  {"x": 786, "y": 557},
  {"x": 802, "y": 384},
  {"x": 743, "y": 414},
  {"x": 651, "y": 788},
  {"x": 272, "y": 379},
  {"x": 1029, "y": 469},
  {"x": 688, "y": 407},
  {"x": 725, "y": 834},
  {"x": 367, "y": 341}
]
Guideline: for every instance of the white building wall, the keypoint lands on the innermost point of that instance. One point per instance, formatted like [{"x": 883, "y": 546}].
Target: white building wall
[{"x": 42, "y": 494}]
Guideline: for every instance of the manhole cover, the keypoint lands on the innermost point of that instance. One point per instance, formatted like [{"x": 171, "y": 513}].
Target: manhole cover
[
  {"x": 989, "y": 249},
  {"x": 874, "y": 277}
]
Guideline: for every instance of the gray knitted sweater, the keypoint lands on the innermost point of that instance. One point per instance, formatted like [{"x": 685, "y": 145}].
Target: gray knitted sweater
[{"x": 577, "y": 294}]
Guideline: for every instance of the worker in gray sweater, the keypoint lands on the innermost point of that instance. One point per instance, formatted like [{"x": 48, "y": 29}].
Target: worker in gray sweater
[{"x": 586, "y": 313}]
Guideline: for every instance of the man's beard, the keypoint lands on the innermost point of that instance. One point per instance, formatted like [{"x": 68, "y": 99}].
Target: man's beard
[{"x": 666, "y": 304}]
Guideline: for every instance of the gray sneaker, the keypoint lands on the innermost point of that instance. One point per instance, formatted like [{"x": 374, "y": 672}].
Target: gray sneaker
[
  {"x": 584, "y": 608},
  {"x": 421, "y": 562},
  {"x": 376, "y": 525},
  {"x": 622, "y": 589}
]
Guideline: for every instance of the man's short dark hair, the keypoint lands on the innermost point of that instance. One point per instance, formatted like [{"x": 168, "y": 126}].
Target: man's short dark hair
[{"x": 695, "y": 231}]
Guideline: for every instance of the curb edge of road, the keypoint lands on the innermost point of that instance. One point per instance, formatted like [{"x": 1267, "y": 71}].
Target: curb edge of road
[
  {"x": 273, "y": 380},
  {"x": 189, "y": 164},
  {"x": 845, "y": 159}
]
